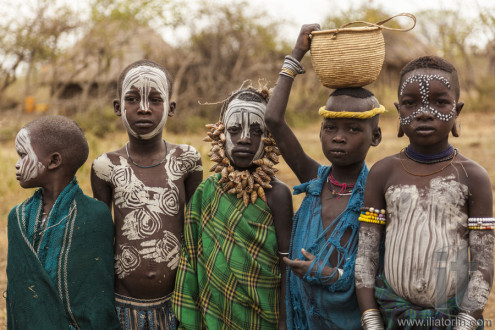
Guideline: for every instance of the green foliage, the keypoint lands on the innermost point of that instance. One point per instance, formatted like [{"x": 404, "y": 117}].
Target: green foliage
[{"x": 98, "y": 121}]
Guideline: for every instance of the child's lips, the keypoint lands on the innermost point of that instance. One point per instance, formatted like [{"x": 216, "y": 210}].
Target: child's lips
[
  {"x": 424, "y": 130},
  {"x": 337, "y": 152},
  {"x": 144, "y": 124}
]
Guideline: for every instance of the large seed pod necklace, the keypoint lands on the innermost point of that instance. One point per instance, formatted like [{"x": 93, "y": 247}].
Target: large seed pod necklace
[{"x": 244, "y": 184}]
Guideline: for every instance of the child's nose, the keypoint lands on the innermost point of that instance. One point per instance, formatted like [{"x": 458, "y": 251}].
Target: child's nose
[{"x": 425, "y": 114}]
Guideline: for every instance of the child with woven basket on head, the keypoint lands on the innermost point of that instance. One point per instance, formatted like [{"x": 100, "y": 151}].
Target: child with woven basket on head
[
  {"x": 55, "y": 279},
  {"x": 229, "y": 273},
  {"x": 320, "y": 292},
  {"x": 148, "y": 181},
  {"x": 434, "y": 207}
]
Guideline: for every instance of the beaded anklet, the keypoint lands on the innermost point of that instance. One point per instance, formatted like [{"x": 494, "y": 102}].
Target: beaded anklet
[
  {"x": 372, "y": 215},
  {"x": 481, "y": 223}
]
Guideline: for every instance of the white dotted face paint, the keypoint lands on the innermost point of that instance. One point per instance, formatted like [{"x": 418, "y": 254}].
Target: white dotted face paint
[
  {"x": 29, "y": 167},
  {"x": 424, "y": 89},
  {"x": 144, "y": 78},
  {"x": 244, "y": 114}
]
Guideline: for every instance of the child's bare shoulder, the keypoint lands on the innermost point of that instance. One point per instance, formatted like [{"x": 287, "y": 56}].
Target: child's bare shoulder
[
  {"x": 473, "y": 171},
  {"x": 184, "y": 158},
  {"x": 112, "y": 156},
  {"x": 386, "y": 165}
]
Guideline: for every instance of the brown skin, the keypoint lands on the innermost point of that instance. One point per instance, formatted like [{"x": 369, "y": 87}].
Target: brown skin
[
  {"x": 150, "y": 280},
  {"x": 428, "y": 135},
  {"x": 279, "y": 195},
  {"x": 345, "y": 143},
  {"x": 55, "y": 177}
]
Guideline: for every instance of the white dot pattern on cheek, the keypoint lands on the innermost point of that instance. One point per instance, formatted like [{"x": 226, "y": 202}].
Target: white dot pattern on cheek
[
  {"x": 29, "y": 166},
  {"x": 424, "y": 90}
]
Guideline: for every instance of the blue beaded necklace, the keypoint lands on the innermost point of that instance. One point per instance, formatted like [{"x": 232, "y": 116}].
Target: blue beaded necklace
[{"x": 445, "y": 155}]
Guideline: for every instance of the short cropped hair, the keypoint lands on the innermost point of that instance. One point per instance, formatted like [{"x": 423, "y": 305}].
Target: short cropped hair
[
  {"x": 357, "y": 92},
  {"x": 63, "y": 135},
  {"x": 433, "y": 62},
  {"x": 143, "y": 63},
  {"x": 249, "y": 94}
]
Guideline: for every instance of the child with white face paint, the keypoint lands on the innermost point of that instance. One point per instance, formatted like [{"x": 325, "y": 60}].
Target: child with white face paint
[
  {"x": 148, "y": 181},
  {"x": 229, "y": 271},
  {"x": 46, "y": 253},
  {"x": 435, "y": 206}
]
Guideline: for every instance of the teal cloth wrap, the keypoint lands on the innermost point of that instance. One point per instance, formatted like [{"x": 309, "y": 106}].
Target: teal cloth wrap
[
  {"x": 60, "y": 272},
  {"x": 311, "y": 302}
]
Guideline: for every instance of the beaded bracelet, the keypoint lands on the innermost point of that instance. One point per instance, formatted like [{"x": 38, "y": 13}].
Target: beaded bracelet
[
  {"x": 481, "y": 223},
  {"x": 372, "y": 215},
  {"x": 291, "y": 67}
]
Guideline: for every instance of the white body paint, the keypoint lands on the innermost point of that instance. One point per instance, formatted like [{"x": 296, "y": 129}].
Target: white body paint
[
  {"x": 367, "y": 259},
  {"x": 479, "y": 288},
  {"x": 244, "y": 114},
  {"x": 423, "y": 240},
  {"x": 29, "y": 165},
  {"x": 144, "y": 208},
  {"x": 144, "y": 78}
]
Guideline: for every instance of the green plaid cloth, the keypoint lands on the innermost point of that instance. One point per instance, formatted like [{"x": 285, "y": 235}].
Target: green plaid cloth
[
  {"x": 395, "y": 310},
  {"x": 228, "y": 276}
]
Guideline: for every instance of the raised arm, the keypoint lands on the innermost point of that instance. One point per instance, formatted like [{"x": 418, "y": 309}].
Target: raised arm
[
  {"x": 301, "y": 164},
  {"x": 368, "y": 255},
  {"x": 480, "y": 245}
]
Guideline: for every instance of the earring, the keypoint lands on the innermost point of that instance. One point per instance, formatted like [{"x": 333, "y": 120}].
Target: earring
[
  {"x": 456, "y": 129},
  {"x": 400, "y": 132}
]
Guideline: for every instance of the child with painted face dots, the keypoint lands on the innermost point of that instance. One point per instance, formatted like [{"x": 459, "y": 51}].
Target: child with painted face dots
[
  {"x": 320, "y": 290},
  {"x": 434, "y": 207},
  {"x": 230, "y": 273},
  {"x": 148, "y": 181},
  {"x": 56, "y": 280}
]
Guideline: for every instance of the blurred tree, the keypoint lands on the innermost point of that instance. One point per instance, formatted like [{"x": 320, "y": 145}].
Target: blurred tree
[
  {"x": 228, "y": 45},
  {"x": 33, "y": 38},
  {"x": 451, "y": 33}
]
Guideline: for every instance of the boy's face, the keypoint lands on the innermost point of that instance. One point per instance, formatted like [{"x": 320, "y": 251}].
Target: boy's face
[
  {"x": 144, "y": 102},
  {"x": 346, "y": 141},
  {"x": 427, "y": 106},
  {"x": 244, "y": 127},
  {"x": 28, "y": 167}
]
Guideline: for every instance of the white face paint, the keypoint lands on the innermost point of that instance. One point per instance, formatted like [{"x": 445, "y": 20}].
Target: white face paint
[
  {"x": 424, "y": 88},
  {"x": 244, "y": 114},
  {"x": 29, "y": 167},
  {"x": 144, "y": 78}
]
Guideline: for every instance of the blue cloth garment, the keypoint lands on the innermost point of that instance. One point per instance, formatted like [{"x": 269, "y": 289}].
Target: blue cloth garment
[{"x": 310, "y": 302}]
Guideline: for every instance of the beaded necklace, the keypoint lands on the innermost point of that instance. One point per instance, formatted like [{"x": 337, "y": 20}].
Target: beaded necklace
[
  {"x": 445, "y": 155},
  {"x": 344, "y": 187},
  {"x": 244, "y": 184},
  {"x": 149, "y": 166},
  {"x": 454, "y": 153}
]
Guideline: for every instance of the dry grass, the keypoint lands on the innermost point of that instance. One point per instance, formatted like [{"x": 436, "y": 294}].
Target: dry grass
[{"x": 476, "y": 142}]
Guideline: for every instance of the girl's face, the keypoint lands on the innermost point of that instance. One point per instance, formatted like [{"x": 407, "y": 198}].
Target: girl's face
[
  {"x": 28, "y": 166},
  {"x": 427, "y": 106},
  {"x": 244, "y": 127}
]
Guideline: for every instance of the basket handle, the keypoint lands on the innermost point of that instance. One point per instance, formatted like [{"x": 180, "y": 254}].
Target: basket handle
[{"x": 380, "y": 24}]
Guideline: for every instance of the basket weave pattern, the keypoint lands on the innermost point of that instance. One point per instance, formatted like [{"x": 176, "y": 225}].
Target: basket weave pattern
[{"x": 352, "y": 57}]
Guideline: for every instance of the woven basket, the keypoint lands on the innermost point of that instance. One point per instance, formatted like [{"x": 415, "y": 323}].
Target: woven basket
[{"x": 350, "y": 57}]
